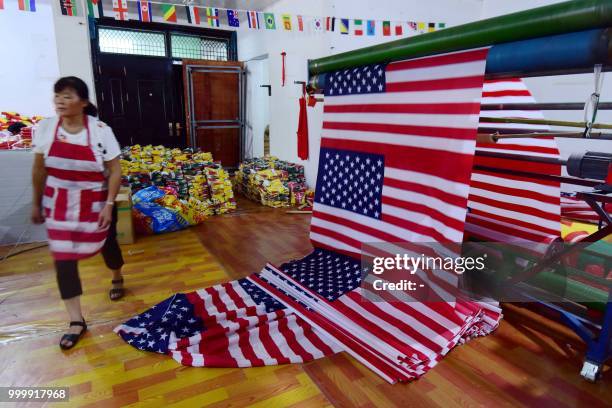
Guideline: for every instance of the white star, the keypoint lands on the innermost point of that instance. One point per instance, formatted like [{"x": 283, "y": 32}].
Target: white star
[
  {"x": 130, "y": 341},
  {"x": 379, "y": 163},
  {"x": 380, "y": 87},
  {"x": 184, "y": 309},
  {"x": 179, "y": 316},
  {"x": 142, "y": 341},
  {"x": 343, "y": 205},
  {"x": 354, "y": 208},
  {"x": 164, "y": 319},
  {"x": 151, "y": 343},
  {"x": 185, "y": 330},
  {"x": 147, "y": 315},
  {"x": 192, "y": 320},
  {"x": 160, "y": 330}
]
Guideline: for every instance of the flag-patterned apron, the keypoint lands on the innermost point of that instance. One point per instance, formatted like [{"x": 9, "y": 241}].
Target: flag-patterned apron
[{"x": 74, "y": 195}]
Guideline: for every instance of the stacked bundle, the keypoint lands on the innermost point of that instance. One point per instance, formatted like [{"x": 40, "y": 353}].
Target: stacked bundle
[
  {"x": 16, "y": 139},
  {"x": 272, "y": 182},
  {"x": 194, "y": 186}
]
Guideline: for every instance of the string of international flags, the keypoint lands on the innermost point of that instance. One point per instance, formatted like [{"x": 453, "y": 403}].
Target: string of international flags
[{"x": 143, "y": 10}]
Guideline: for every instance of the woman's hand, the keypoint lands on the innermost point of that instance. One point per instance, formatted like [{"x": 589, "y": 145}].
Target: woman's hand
[
  {"x": 37, "y": 215},
  {"x": 106, "y": 216}
]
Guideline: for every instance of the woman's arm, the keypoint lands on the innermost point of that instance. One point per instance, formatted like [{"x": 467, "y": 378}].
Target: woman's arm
[
  {"x": 114, "y": 183},
  {"x": 114, "y": 178},
  {"x": 39, "y": 179}
]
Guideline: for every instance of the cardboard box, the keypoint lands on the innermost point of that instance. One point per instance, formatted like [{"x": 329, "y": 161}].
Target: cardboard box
[{"x": 125, "y": 226}]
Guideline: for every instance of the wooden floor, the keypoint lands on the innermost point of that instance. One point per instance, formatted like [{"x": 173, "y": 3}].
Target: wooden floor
[{"x": 528, "y": 361}]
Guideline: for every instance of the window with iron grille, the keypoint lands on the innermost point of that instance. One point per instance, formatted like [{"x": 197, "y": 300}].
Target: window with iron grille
[
  {"x": 132, "y": 42},
  {"x": 192, "y": 47}
]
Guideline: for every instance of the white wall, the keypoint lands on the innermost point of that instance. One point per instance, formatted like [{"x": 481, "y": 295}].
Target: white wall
[
  {"x": 308, "y": 45},
  {"x": 29, "y": 65}
]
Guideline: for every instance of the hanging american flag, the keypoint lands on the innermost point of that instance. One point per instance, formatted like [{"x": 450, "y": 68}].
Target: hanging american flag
[
  {"x": 513, "y": 208},
  {"x": 396, "y": 151},
  {"x": 120, "y": 9}
]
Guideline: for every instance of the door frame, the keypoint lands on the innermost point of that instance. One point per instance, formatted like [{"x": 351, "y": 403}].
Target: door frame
[{"x": 191, "y": 66}]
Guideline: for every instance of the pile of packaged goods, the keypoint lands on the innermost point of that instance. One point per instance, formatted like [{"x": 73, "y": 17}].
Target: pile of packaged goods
[
  {"x": 273, "y": 182},
  {"x": 174, "y": 188},
  {"x": 16, "y": 130}
]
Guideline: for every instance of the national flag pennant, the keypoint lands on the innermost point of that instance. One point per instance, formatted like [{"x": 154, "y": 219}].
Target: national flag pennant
[
  {"x": 193, "y": 15},
  {"x": 344, "y": 26},
  {"x": 412, "y": 25},
  {"x": 317, "y": 25},
  {"x": 287, "y": 22},
  {"x": 169, "y": 13},
  {"x": 390, "y": 134},
  {"x": 26, "y": 5},
  {"x": 270, "y": 21},
  {"x": 233, "y": 20},
  {"x": 212, "y": 16},
  {"x": 69, "y": 7},
  {"x": 144, "y": 11},
  {"x": 330, "y": 24},
  {"x": 358, "y": 27},
  {"x": 253, "y": 18},
  {"x": 386, "y": 28},
  {"x": 421, "y": 27},
  {"x": 431, "y": 27},
  {"x": 300, "y": 21},
  {"x": 371, "y": 27},
  {"x": 399, "y": 29},
  {"x": 93, "y": 8},
  {"x": 120, "y": 9},
  {"x": 441, "y": 25},
  {"x": 1, "y": 4}
]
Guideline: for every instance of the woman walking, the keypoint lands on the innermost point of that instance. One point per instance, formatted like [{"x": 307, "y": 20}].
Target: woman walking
[{"x": 76, "y": 177}]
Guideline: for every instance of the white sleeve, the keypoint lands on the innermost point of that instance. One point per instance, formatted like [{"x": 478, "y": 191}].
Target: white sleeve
[
  {"x": 110, "y": 144},
  {"x": 41, "y": 138}
]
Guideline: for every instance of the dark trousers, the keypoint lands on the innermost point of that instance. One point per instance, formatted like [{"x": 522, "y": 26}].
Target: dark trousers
[{"x": 67, "y": 272}]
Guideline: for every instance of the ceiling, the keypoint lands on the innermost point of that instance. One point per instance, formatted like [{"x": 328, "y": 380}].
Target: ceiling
[{"x": 257, "y": 5}]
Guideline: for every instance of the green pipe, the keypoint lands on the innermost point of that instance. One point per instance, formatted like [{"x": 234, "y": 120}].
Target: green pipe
[
  {"x": 555, "y": 19},
  {"x": 571, "y": 289}
]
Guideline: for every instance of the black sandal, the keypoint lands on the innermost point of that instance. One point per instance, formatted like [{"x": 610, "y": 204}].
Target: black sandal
[
  {"x": 116, "y": 293},
  {"x": 73, "y": 338}
]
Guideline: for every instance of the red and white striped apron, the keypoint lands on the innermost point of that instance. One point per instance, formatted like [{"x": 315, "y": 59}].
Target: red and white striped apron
[{"x": 74, "y": 195}]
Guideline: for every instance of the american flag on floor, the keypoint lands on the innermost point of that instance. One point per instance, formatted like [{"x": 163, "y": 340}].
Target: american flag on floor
[
  {"x": 513, "y": 208},
  {"x": 234, "y": 324},
  {"x": 396, "y": 151}
]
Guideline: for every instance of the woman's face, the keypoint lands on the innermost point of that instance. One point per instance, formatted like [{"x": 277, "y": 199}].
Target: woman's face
[{"x": 68, "y": 103}]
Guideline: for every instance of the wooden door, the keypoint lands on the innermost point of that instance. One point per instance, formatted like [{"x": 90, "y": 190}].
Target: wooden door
[
  {"x": 137, "y": 99},
  {"x": 214, "y": 108}
]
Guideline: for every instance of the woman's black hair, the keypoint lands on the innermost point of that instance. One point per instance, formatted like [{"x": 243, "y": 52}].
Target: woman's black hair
[
  {"x": 15, "y": 128},
  {"x": 80, "y": 87}
]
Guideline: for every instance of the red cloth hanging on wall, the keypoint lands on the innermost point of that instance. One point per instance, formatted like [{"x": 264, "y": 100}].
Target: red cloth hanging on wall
[{"x": 302, "y": 131}]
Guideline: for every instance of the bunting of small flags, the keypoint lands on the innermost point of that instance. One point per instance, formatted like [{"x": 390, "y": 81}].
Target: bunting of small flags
[
  {"x": 193, "y": 15},
  {"x": 169, "y": 12},
  {"x": 69, "y": 7},
  {"x": 344, "y": 26},
  {"x": 232, "y": 18},
  {"x": 27, "y": 5},
  {"x": 144, "y": 11},
  {"x": 371, "y": 27},
  {"x": 120, "y": 9},
  {"x": 253, "y": 18},
  {"x": 93, "y": 8},
  {"x": 212, "y": 16},
  {"x": 270, "y": 21},
  {"x": 287, "y": 22}
]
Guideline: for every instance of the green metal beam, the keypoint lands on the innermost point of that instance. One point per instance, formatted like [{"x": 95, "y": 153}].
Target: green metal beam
[{"x": 555, "y": 19}]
